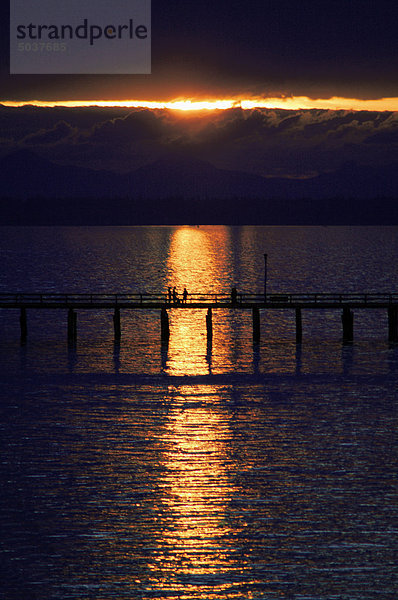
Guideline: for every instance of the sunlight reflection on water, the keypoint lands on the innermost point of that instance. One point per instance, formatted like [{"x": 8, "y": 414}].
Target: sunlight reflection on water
[
  {"x": 196, "y": 490},
  {"x": 199, "y": 261},
  {"x": 273, "y": 477}
]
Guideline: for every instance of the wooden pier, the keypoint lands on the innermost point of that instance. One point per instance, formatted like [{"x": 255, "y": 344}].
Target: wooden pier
[{"x": 346, "y": 303}]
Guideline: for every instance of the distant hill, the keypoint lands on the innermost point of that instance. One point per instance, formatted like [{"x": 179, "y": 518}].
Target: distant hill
[
  {"x": 37, "y": 191},
  {"x": 26, "y": 175},
  {"x": 199, "y": 179}
]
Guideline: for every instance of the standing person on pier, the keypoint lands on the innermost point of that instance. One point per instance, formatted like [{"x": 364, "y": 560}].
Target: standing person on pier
[
  {"x": 175, "y": 296},
  {"x": 185, "y": 295}
]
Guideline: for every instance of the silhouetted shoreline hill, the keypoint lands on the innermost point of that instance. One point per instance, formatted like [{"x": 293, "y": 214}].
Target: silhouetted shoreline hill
[
  {"x": 196, "y": 178},
  {"x": 26, "y": 175},
  {"x": 355, "y": 181},
  {"x": 178, "y": 190}
]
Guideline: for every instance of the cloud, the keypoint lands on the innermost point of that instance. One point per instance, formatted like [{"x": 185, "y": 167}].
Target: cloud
[
  {"x": 60, "y": 131},
  {"x": 270, "y": 142},
  {"x": 295, "y": 143},
  {"x": 384, "y": 137},
  {"x": 136, "y": 126}
]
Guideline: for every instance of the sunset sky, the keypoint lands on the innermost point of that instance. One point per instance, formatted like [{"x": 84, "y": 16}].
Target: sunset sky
[
  {"x": 289, "y": 75},
  {"x": 268, "y": 48}
]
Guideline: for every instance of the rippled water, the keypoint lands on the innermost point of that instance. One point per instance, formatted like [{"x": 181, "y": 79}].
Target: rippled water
[{"x": 129, "y": 471}]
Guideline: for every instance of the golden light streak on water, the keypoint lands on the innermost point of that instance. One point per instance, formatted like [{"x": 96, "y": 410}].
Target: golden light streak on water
[
  {"x": 197, "y": 486},
  {"x": 186, "y": 105},
  {"x": 197, "y": 489},
  {"x": 198, "y": 260}
]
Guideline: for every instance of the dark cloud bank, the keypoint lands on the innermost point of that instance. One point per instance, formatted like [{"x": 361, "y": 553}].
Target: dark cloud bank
[
  {"x": 285, "y": 143},
  {"x": 293, "y": 166}
]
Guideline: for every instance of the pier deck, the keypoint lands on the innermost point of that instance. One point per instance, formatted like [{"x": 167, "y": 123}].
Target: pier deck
[
  {"x": 203, "y": 301},
  {"x": 235, "y": 301}
]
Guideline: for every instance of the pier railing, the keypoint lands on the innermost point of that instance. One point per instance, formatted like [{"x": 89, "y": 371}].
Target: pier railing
[
  {"x": 277, "y": 300},
  {"x": 165, "y": 302}
]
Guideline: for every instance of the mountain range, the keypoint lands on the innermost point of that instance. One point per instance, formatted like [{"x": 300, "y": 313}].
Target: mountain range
[{"x": 180, "y": 190}]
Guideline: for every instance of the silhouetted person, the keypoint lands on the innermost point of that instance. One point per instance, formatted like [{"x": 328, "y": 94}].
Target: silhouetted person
[
  {"x": 185, "y": 295},
  {"x": 169, "y": 294},
  {"x": 175, "y": 296},
  {"x": 234, "y": 295}
]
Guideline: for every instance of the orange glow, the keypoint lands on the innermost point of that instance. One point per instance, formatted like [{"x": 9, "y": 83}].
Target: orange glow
[
  {"x": 197, "y": 489},
  {"x": 197, "y": 260},
  {"x": 287, "y": 102}
]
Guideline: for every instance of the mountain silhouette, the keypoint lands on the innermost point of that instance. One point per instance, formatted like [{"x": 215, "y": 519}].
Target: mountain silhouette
[
  {"x": 198, "y": 179},
  {"x": 26, "y": 175},
  {"x": 178, "y": 189}
]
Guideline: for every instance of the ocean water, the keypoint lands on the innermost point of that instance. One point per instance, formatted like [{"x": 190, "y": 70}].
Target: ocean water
[{"x": 130, "y": 470}]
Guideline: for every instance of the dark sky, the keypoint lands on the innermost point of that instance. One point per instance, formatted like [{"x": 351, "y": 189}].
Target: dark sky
[{"x": 317, "y": 48}]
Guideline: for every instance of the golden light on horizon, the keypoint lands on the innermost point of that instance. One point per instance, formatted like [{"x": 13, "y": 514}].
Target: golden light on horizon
[{"x": 186, "y": 105}]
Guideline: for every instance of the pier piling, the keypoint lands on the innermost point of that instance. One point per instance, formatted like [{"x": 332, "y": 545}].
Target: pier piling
[
  {"x": 256, "y": 325},
  {"x": 347, "y": 319},
  {"x": 393, "y": 323},
  {"x": 299, "y": 326},
  {"x": 116, "y": 324},
  {"x": 164, "y": 325},
  {"x": 23, "y": 324},
  {"x": 265, "y": 277},
  {"x": 72, "y": 326},
  {"x": 209, "y": 325}
]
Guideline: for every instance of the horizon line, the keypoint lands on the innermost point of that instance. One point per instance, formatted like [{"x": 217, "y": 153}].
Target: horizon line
[{"x": 185, "y": 105}]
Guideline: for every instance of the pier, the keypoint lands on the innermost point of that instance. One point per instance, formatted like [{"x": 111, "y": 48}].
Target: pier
[{"x": 346, "y": 303}]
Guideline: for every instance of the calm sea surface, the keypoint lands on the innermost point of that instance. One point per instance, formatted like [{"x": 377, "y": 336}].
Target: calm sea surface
[{"x": 132, "y": 471}]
